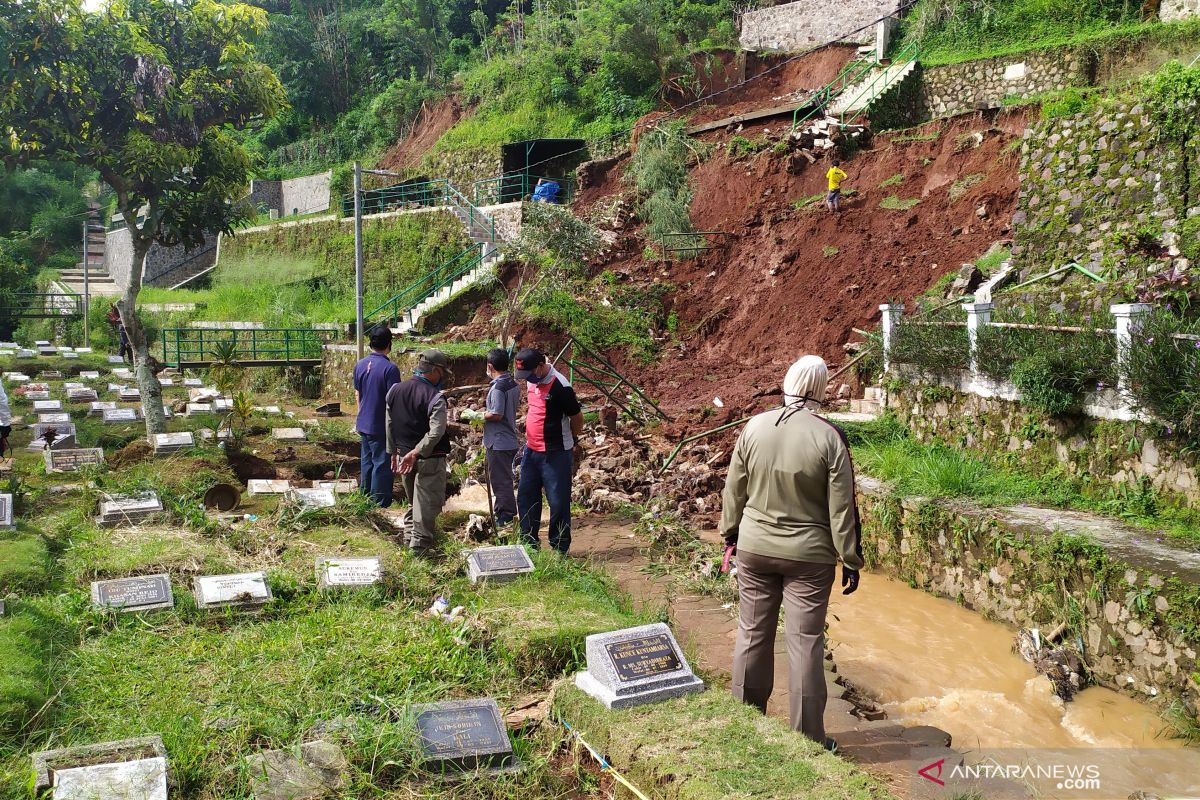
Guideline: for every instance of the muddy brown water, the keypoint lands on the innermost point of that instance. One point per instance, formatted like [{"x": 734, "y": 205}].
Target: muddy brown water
[{"x": 928, "y": 661}]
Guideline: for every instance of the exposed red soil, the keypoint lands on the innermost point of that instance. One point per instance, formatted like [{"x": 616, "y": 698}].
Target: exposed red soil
[
  {"x": 807, "y": 73},
  {"x": 776, "y": 289},
  {"x": 433, "y": 120}
]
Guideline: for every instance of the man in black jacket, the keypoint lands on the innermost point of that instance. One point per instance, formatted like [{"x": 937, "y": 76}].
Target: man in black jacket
[{"x": 418, "y": 439}]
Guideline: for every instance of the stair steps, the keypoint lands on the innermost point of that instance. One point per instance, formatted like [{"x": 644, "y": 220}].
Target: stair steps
[
  {"x": 859, "y": 97},
  {"x": 872, "y": 402}
]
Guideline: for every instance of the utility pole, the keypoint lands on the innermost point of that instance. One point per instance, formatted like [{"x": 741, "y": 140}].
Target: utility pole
[
  {"x": 87, "y": 286},
  {"x": 358, "y": 258}
]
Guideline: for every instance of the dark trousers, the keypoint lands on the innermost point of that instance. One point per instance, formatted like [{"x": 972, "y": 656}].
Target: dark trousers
[
  {"x": 549, "y": 471},
  {"x": 803, "y": 589},
  {"x": 500, "y": 478},
  {"x": 376, "y": 478}
]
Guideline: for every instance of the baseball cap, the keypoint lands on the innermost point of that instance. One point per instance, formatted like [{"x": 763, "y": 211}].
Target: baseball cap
[
  {"x": 435, "y": 358},
  {"x": 526, "y": 362}
]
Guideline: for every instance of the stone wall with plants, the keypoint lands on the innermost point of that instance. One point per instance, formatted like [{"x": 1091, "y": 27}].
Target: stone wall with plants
[
  {"x": 1104, "y": 188},
  {"x": 1135, "y": 620},
  {"x": 1110, "y": 454},
  {"x": 993, "y": 82}
]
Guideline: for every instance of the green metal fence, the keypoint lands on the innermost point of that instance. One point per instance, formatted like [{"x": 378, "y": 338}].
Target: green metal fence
[
  {"x": 515, "y": 186},
  {"x": 402, "y": 305},
  {"x": 254, "y": 346}
]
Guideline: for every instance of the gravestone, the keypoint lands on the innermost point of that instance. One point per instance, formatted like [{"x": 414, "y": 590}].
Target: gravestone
[
  {"x": 129, "y": 395},
  {"x": 245, "y": 590},
  {"x": 17, "y": 377},
  {"x": 70, "y": 355},
  {"x": 51, "y": 374},
  {"x": 312, "y": 498},
  {"x": 40, "y": 429},
  {"x": 166, "y": 382},
  {"x": 348, "y": 571},
  {"x": 25, "y": 354},
  {"x": 124, "y": 373},
  {"x": 47, "y": 405},
  {"x": 222, "y": 404},
  {"x": 84, "y": 395},
  {"x": 190, "y": 382},
  {"x": 134, "y": 769},
  {"x": 120, "y": 416},
  {"x": 498, "y": 564},
  {"x": 115, "y": 360},
  {"x": 47, "y": 351},
  {"x": 634, "y": 666},
  {"x": 71, "y": 460},
  {"x": 115, "y": 387},
  {"x": 141, "y": 593},
  {"x": 198, "y": 408},
  {"x": 288, "y": 434},
  {"x": 69, "y": 385},
  {"x": 64, "y": 443},
  {"x": 53, "y": 418},
  {"x": 268, "y": 409},
  {"x": 173, "y": 442},
  {"x": 98, "y": 407},
  {"x": 329, "y": 410},
  {"x": 83, "y": 350},
  {"x": 167, "y": 412},
  {"x": 317, "y": 771},
  {"x": 6, "y": 512},
  {"x": 41, "y": 342},
  {"x": 39, "y": 386},
  {"x": 464, "y": 735},
  {"x": 128, "y": 509},
  {"x": 257, "y": 486},
  {"x": 90, "y": 375},
  {"x": 341, "y": 486},
  {"x": 37, "y": 394}
]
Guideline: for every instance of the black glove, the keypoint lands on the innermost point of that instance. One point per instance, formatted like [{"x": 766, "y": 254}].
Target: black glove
[{"x": 849, "y": 580}]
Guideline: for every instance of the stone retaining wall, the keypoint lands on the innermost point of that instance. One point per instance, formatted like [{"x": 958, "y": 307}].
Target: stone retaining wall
[
  {"x": 809, "y": 23},
  {"x": 161, "y": 262},
  {"x": 1110, "y": 452},
  {"x": 1175, "y": 10},
  {"x": 1091, "y": 181},
  {"x": 988, "y": 83},
  {"x": 1130, "y": 605},
  {"x": 293, "y": 196}
]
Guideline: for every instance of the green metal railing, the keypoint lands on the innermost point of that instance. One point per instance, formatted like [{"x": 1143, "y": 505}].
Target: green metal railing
[
  {"x": 41, "y": 305},
  {"x": 514, "y": 186},
  {"x": 588, "y": 366},
  {"x": 422, "y": 289},
  {"x": 885, "y": 80},
  {"x": 693, "y": 242},
  {"x": 428, "y": 194},
  {"x": 849, "y": 75},
  {"x": 254, "y": 345}
]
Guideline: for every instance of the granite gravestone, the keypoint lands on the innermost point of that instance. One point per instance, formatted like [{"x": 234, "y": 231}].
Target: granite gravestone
[
  {"x": 47, "y": 405},
  {"x": 340, "y": 486},
  {"x": 89, "y": 375},
  {"x": 142, "y": 593},
  {"x": 268, "y": 409},
  {"x": 246, "y": 590},
  {"x": 464, "y": 735},
  {"x": 348, "y": 571},
  {"x": 129, "y": 395},
  {"x": 53, "y": 418},
  {"x": 84, "y": 395},
  {"x": 257, "y": 486},
  {"x": 36, "y": 394},
  {"x": 191, "y": 382},
  {"x": 124, "y": 373},
  {"x": 498, "y": 564},
  {"x": 115, "y": 360},
  {"x": 635, "y": 666},
  {"x": 6, "y": 512},
  {"x": 70, "y": 355},
  {"x": 60, "y": 429},
  {"x": 288, "y": 434},
  {"x": 173, "y": 442},
  {"x": 311, "y": 499},
  {"x": 120, "y": 416},
  {"x": 128, "y": 509},
  {"x": 198, "y": 408},
  {"x": 98, "y": 407},
  {"x": 17, "y": 377},
  {"x": 71, "y": 460},
  {"x": 134, "y": 769},
  {"x": 166, "y": 382},
  {"x": 329, "y": 410}
]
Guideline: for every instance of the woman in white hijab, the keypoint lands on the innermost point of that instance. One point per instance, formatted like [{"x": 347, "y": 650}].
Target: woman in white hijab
[{"x": 789, "y": 510}]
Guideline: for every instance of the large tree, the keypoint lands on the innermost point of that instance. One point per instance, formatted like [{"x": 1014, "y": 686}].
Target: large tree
[{"x": 148, "y": 93}]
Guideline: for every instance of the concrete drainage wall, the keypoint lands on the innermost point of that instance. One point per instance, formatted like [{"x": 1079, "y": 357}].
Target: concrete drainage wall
[{"x": 1134, "y": 613}]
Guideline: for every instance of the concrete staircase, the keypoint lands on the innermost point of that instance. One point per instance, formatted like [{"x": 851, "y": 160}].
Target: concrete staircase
[
  {"x": 412, "y": 319},
  {"x": 876, "y": 84},
  {"x": 872, "y": 402},
  {"x": 100, "y": 283}
]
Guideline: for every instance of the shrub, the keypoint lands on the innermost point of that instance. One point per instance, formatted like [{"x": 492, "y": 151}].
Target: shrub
[
  {"x": 1046, "y": 385},
  {"x": 1164, "y": 376},
  {"x": 937, "y": 349},
  {"x": 658, "y": 171},
  {"x": 895, "y": 203}
]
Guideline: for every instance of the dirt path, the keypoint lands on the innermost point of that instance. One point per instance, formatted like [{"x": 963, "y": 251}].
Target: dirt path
[{"x": 708, "y": 630}]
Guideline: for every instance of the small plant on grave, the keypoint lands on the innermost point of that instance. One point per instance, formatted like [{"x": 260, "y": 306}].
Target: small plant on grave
[
  {"x": 225, "y": 371},
  {"x": 240, "y": 412}
]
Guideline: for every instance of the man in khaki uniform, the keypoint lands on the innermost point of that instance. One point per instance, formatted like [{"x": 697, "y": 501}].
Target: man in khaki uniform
[
  {"x": 418, "y": 439},
  {"x": 789, "y": 510}
]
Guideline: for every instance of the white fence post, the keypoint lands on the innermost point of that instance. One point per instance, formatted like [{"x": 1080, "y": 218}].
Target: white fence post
[
  {"x": 978, "y": 315},
  {"x": 891, "y": 318},
  {"x": 1129, "y": 318}
]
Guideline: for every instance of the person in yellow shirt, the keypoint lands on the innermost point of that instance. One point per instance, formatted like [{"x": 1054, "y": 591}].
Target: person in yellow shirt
[{"x": 835, "y": 176}]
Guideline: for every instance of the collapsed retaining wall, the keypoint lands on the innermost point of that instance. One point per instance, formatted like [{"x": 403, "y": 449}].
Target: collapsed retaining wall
[
  {"x": 809, "y": 23},
  {"x": 1107, "y": 451},
  {"x": 1131, "y": 605},
  {"x": 1090, "y": 181}
]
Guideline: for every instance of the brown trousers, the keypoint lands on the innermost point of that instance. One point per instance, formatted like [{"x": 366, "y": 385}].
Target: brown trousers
[{"x": 803, "y": 589}]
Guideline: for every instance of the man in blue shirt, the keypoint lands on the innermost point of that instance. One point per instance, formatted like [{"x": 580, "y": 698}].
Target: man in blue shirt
[
  {"x": 373, "y": 376},
  {"x": 500, "y": 434}
]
